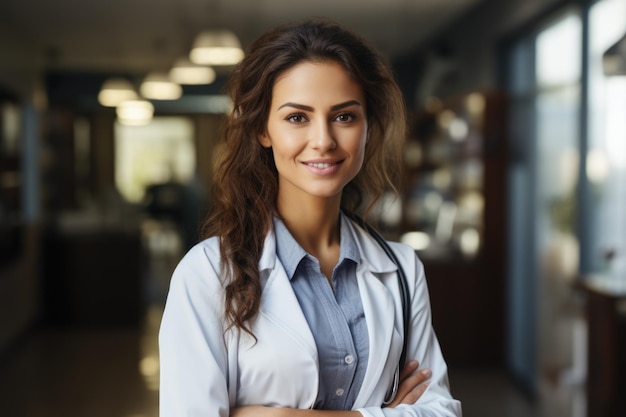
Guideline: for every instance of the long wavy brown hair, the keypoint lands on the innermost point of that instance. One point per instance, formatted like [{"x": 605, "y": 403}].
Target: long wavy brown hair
[{"x": 246, "y": 181}]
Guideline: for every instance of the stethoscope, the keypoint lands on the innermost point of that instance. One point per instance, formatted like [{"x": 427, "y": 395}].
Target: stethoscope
[{"x": 404, "y": 298}]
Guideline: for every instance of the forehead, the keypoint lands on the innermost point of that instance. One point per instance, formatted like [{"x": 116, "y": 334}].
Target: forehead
[{"x": 316, "y": 81}]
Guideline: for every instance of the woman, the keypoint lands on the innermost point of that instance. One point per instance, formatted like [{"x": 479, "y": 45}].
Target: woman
[{"x": 289, "y": 308}]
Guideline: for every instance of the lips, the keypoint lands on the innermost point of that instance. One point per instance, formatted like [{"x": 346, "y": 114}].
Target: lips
[{"x": 323, "y": 167}]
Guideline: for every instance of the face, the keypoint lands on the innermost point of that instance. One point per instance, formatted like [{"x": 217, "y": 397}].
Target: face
[{"x": 317, "y": 129}]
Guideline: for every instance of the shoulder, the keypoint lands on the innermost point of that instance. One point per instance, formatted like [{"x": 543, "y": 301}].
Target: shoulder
[
  {"x": 406, "y": 255},
  {"x": 200, "y": 268},
  {"x": 204, "y": 253}
]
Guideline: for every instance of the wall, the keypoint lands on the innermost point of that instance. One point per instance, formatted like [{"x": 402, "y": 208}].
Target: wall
[
  {"x": 19, "y": 286},
  {"x": 19, "y": 65}
]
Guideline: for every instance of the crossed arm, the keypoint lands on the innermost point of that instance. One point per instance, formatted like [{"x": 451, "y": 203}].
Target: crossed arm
[{"x": 413, "y": 383}]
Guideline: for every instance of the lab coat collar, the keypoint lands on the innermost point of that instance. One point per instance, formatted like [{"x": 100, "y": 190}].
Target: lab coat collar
[
  {"x": 371, "y": 253},
  {"x": 373, "y": 257},
  {"x": 268, "y": 256}
]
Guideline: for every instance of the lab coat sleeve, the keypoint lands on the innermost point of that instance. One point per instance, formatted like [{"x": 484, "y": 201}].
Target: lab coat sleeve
[
  {"x": 423, "y": 347},
  {"x": 192, "y": 347}
]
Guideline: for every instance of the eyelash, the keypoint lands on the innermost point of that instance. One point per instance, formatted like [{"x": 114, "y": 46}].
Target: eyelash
[
  {"x": 290, "y": 118},
  {"x": 352, "y": 117}
]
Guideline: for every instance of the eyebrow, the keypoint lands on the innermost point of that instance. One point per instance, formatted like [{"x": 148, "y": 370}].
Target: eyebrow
[{"x": 309, "y": 108}]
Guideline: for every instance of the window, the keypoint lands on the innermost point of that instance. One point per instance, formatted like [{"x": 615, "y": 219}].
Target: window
[
  {"x": 162, "y": 151},
  {"x": 606, "y": 158},
  {"x": 545, "y": 69}
]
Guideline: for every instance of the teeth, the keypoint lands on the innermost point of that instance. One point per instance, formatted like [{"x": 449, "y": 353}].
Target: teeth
[{"x": 320, "y": 165}]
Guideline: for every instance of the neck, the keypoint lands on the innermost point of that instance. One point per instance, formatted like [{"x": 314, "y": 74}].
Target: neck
[{"x": 313, "y": 223}]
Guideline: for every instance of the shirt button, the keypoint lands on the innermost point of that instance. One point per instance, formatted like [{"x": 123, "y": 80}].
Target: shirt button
[
  {"x": 349, "y": 359},
  {"x": 339, "y": 392}
]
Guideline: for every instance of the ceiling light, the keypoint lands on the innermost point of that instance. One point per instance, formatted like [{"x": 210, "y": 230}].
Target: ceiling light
[
  {"x": 216, "y": 48},
  {"x": 614, "y": 59},
  {"x": 135, "y": 112},
  {"x": 158, "y": 86},
  {"x": 186, "y": 72},
  {"x": 116, "y": 90}
]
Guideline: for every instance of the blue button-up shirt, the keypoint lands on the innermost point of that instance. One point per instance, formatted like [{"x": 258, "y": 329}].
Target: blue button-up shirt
[{"x": 335, "y": 315}]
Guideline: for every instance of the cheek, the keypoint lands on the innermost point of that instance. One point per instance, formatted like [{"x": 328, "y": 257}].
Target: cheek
[
  {"x": 362, "y": 151},
  {"x": 285, "y": 148},
  {"x": 362, "y": 145},
  {"x": 358, "y": 156},
  {"x": 286, "y": 142}
]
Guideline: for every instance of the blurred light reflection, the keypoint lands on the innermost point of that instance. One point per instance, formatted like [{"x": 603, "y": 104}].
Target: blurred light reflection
[{"x": 417, "y": 240}]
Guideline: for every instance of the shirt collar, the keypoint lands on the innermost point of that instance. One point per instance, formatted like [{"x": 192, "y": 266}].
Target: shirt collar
[{"x": 290, "y": 253}]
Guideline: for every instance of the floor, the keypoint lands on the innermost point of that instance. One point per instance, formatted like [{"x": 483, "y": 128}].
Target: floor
[
  {"x": 113, "y": 372},
  {"x": 77, "y": 373}
]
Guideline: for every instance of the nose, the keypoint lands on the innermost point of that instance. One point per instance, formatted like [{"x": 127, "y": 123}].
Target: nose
[{"x": 323, "y": 138}]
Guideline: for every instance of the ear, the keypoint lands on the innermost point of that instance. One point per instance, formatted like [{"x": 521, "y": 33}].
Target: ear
[{"x": 265, "y": 140}]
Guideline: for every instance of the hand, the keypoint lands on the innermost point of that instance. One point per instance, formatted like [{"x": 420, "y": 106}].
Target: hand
[{"x": 412, "y": 384}]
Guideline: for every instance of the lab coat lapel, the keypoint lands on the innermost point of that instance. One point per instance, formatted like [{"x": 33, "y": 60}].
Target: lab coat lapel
[
  {"x": 378, "y": 305},
  {"x": 379, "y": 308},
  {"x": 278, "y": 301}
]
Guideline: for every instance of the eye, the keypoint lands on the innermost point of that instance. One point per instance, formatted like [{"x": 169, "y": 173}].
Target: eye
[
  {"x": 345, "y": 117},
  {"x": 296, "y": 118}
]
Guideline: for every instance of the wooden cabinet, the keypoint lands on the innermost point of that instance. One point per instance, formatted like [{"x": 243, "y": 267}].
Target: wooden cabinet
[
  {"x": 606, "y": 368},
  {"x": 92, "y": 277}
]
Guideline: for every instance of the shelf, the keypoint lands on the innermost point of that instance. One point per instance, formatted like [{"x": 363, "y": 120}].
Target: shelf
[{"x": 453, "y": 206}]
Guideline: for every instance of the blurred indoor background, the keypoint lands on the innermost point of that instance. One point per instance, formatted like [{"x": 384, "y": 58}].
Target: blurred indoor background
[{"x": 514, "y": 189}]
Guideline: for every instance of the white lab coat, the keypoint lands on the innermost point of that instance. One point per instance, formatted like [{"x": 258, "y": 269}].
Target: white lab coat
[{"x": 206, "y": 369}]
